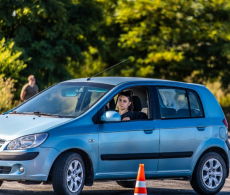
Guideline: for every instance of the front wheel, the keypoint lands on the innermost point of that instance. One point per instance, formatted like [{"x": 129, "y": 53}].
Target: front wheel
[
  {"x": 68, "y": 176},
  {"x": 209, "y": 175}
]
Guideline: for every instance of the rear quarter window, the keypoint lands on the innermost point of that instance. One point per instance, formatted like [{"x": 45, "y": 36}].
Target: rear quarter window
[{"x": 195, "y": 105}]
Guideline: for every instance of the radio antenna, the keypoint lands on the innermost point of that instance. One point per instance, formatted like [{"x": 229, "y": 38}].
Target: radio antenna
[{"x": 108, "y": 68}]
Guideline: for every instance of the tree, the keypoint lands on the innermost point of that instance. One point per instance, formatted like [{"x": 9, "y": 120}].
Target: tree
[
  {"x": 169, "y": 39},
  {"x": 6, "y": 91},
  {"x": 10, "y": 67},
  {"x": 51, "y": 34},
  {"x": 173, "y": 39}
]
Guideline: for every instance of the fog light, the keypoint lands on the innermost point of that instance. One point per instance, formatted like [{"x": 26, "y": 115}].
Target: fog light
[{"x": 21, "y": 169}]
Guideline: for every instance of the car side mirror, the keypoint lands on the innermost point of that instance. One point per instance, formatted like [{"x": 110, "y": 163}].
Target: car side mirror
[{"x": 111, "y": 116}]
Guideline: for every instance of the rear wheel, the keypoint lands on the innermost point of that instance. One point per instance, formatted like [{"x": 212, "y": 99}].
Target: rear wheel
[
  {"x": 68, "y": 176},
  {"x": 127, "y": 184},
  {"x": 210, "y": 174}
]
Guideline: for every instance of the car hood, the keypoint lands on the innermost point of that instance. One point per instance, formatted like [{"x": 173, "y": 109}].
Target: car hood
[{"x": 14, "y": 126}]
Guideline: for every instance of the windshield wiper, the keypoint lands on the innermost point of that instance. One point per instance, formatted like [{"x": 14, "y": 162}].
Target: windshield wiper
[
  {"x": 15, "y": 112},
  {"x": 62, "y": 116},
  {"x": 41, "y": 113},
  {"x": 47, "y": 114}
]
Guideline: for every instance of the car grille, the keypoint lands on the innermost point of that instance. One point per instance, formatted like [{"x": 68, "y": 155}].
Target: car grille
[{"x": 5, "y": 170}]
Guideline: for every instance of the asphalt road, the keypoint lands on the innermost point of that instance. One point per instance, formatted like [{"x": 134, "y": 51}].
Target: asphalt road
[{"x": 154, "y": 187}]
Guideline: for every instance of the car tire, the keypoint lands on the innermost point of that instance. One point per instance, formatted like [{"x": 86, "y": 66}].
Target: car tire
[
  {"x": 209, "y": 175},
  {"x": 68, "y": 174},
  {"x": 127, "y": 184}
]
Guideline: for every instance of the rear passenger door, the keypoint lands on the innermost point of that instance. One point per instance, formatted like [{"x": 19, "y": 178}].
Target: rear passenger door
[{"x": 183, "y": 127}]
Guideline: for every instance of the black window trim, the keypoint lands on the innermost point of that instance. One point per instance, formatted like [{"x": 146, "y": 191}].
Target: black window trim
[
  {"x": 190, "y": 113},
  {"x": 199, "y": 101},
  {"x": 182, "y": 88},
  {"x": 155, "y": 100}
]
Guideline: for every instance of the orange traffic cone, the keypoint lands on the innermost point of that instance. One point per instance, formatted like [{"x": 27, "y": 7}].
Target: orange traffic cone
[{"x": 140, "y": 188}]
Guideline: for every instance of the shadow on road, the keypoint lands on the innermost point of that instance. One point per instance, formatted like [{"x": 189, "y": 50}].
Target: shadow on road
[
  {"x": 150, "y": 191},
  {"x": 27, "y": 192}
]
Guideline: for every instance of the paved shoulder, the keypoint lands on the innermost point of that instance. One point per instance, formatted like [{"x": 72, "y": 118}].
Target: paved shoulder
[{"x": 154, "y": 187}]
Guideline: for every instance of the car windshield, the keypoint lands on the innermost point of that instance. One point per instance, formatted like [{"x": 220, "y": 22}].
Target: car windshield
[{"x": 69, "y": 99}]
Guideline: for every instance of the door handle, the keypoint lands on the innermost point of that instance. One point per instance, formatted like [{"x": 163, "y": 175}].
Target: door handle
[
  {"x": 148, "y": 130},
  {"x": 200, "y": 128}
]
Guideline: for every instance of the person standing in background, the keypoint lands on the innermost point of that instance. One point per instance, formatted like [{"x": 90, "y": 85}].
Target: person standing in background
[{"x": 29, "y": 89}]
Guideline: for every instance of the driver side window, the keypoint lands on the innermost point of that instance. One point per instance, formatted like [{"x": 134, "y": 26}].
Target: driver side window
[{"x": 139, "y": 101}]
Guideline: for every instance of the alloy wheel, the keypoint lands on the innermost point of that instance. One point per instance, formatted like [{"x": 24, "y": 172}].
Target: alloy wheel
[
  {"x": 74, "y": 176},
  {"x": 212, "y": 173}
]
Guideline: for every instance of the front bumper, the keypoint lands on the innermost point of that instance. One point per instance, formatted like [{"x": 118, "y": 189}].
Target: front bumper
[
  {"x": 18, "y": 156},
  {"x": 37, "y": 163}
]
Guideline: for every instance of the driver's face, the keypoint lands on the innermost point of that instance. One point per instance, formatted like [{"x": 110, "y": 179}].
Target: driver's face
[{"x": 123, "y": 102}]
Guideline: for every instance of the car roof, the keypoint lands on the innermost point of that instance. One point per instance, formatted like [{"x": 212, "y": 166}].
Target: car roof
[{"x": 119, "y": 80}]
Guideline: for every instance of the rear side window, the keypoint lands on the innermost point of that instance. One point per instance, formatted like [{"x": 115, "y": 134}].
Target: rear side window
[
  {"x": 195, "y": 105},
  {"x": 173, "y": 103},
  {"x": 179, "y": 103}
]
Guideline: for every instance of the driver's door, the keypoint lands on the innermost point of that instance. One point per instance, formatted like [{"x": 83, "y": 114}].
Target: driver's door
[{"x": 124, "y": 145}]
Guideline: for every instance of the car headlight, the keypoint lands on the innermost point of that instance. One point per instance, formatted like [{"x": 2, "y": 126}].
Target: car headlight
[{"x": 28, "y": 141}]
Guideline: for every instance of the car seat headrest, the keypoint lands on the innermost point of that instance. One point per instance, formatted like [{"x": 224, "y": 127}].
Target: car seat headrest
[{"x": 137, "y": 103}]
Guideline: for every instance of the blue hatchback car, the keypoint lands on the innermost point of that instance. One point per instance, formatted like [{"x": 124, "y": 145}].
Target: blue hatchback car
[{"x": 71, "y": 134}]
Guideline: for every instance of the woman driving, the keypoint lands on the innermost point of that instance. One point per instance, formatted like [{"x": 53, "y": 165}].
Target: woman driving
[{"x": 125, "y": 105}]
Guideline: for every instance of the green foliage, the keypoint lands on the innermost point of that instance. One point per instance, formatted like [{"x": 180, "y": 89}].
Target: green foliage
[
  {"x": 50, "y": 33},
  {"x": 91, "y": 65},
  {"x": 10, "y": 65},
  {"x": 175, "y": 37},
  {"x": 225, "y": 100},
  {"x": 6, "y": 91},
  {"x": 169, "y": 39}
]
